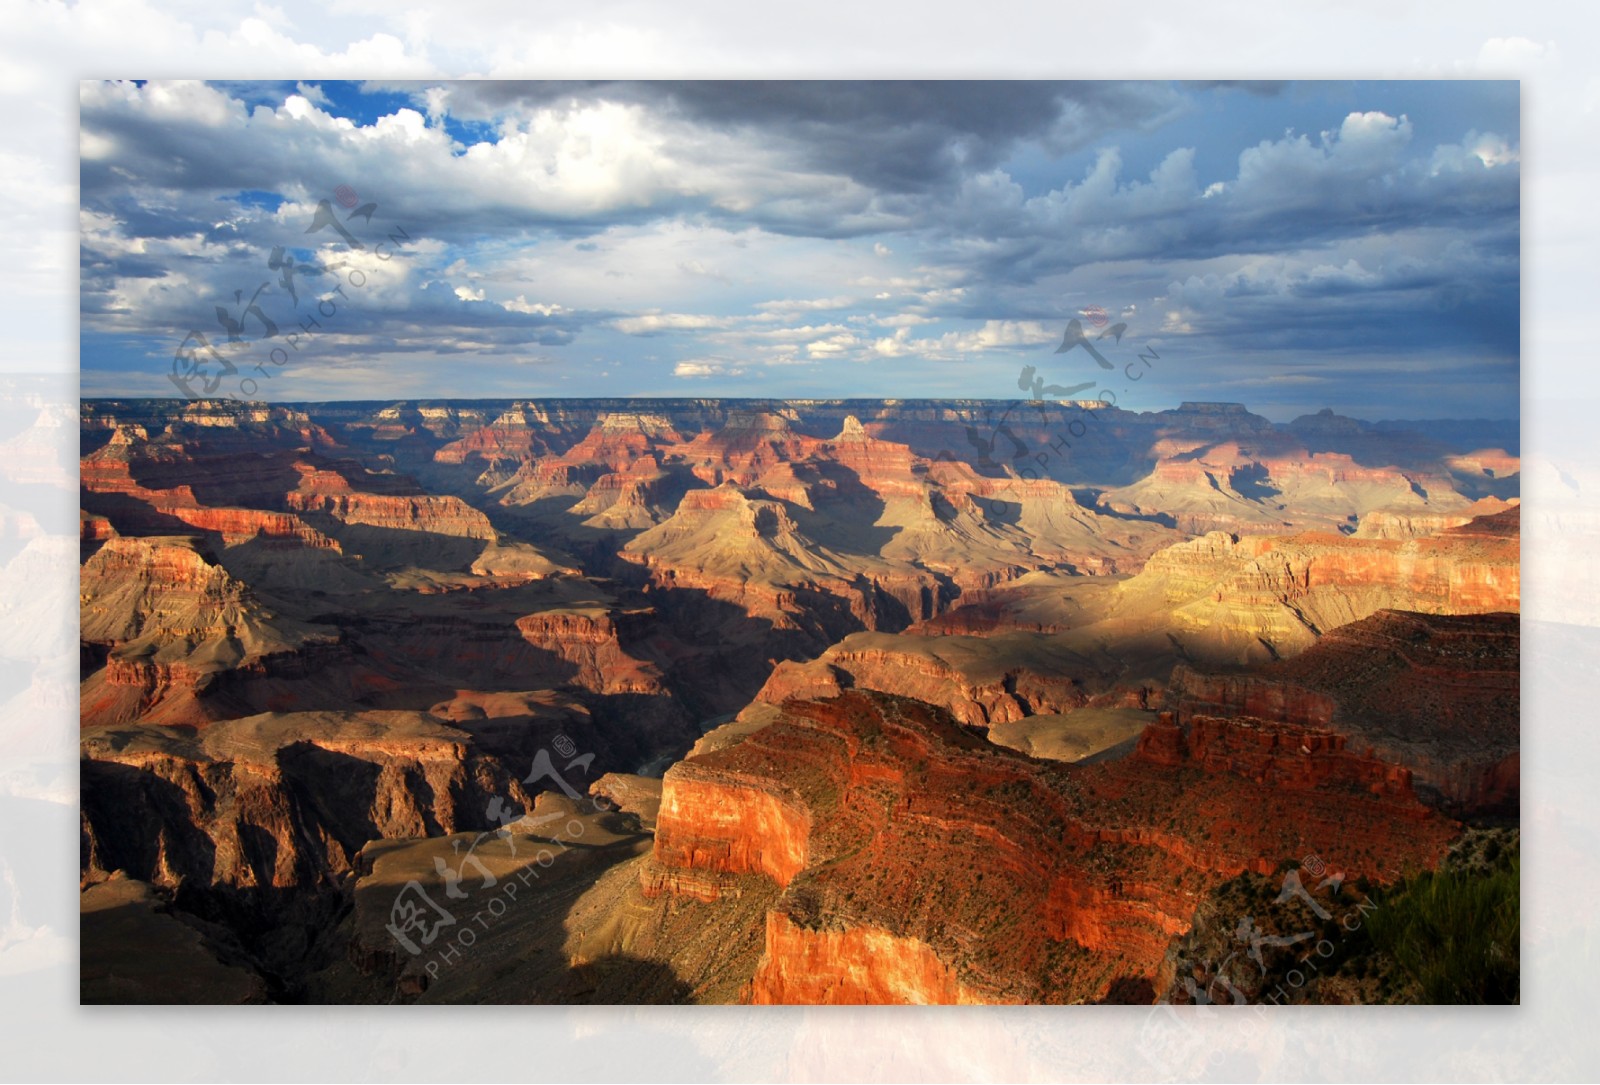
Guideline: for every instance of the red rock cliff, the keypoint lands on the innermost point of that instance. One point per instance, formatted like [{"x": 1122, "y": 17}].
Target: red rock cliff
[{"x": 920, "y": 864}]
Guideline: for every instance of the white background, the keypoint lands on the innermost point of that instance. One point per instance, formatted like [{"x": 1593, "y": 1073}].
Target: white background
[{"x": 45, "y": 48}]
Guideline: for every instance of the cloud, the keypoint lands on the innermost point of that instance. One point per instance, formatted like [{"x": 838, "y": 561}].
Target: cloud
[
  {"x": 521, "y": 304},
  {"x": 832, "y": 345},
  {"x": 1362, "y": 176},
  {"x": 893, "y": 137},
  {"x": 657, "y": 323},
  {"x": 807, "y": 305},
  {"x": 702, "y": 369}
]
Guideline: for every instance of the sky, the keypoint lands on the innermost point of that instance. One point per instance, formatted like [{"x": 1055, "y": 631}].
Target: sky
[{"x": 1291, "y": 246}]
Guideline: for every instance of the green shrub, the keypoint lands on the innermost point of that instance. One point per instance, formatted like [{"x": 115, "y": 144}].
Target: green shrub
[{"x": 1456, "y": 933}]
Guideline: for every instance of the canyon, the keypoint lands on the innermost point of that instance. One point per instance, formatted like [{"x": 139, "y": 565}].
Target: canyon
[{"x": 791, "y": 701}]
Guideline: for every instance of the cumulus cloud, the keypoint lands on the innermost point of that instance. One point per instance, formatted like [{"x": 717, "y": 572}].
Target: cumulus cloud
[{"x": 703, "y": 369}]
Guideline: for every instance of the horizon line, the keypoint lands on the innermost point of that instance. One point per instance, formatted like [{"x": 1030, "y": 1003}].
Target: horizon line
[{"x": 1079, "y": 404}]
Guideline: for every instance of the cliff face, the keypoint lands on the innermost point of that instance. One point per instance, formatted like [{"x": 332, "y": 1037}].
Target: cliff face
[
  {"x": 1288, "y": 590},
  {"x": 331, "y": 493},
  {"x": 171, "y": 623},
  {"x": 1435, "y": 694},
  {"x": 850, "y": 968},
  {"x": 615, "y": 470},
  {"x": 918, "y": 863},
  {"x": 720, "y": 825},
  {"x": 862, "y": 523},
  {"x": 256, "y": 824},
  {"x": 1411, "y": 523},
  {"x": 110, "y": 489},
  {"x": 1282, "y": 757},
  {"x": 752, "y": 553},
  {"x": 276, "y": 801},
  {"x": 1282, "y": 481},
  {"x": 590, "y": 640},
  {"x": 512, "y": 436}
]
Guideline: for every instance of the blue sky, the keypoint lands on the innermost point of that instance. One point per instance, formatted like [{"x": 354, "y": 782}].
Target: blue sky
[{"x": 1287, "y": 245}]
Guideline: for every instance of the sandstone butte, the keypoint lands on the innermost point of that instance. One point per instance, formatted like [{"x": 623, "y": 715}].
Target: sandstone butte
[
  {"x": 919, "y": 863},
  {"x": 173, "y": 626}
]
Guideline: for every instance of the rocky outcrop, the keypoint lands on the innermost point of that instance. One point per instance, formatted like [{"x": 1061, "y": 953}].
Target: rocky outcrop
[
  {"x": 330, "y": 493},
  {"x": 725, "y": 826},
  {"x": 256, "y": 825},
  {"x": 918, "y": 863},
  {"x": 276, "y": 801},
  {"x": 979, "y": 681},
  {"x": 860, "y": 965},
  {"x": 171, "y": 624},
  {"x": 590, "y": 640},
  {"x": 1288, "y": 590},
  {"x": 1412, "y": 523},
  {"x": 113, "y": 494},
  {"x": 1436, "y": 695},
  {"x": 639, "y": 796},
  {"x": 618, "y": 460},
  {"x": 752, "y": 553},
  {"x": 512, "y": 436}
]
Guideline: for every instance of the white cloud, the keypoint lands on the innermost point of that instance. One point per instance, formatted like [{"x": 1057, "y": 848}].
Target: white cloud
[
  {"x": 638, "y": 214},
  {"x": 832, "y": 345},
  {"x": 900, "y": 320},
  {"x": 656, "y": 323},
  {"x": 996, "y": 334},
  {"x": 806, "y": 305},
  {"x": 520, "y": 304},
  {"x": 696, "y": 368}
]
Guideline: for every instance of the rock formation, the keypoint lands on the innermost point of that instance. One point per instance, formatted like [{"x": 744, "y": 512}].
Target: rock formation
[{"x": 918, "y": 863}]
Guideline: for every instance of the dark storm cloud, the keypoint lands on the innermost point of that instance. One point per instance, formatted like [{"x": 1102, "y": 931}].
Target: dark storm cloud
[
  {"x": 893, "y": 136},
  {"x": 1361, "y": 180}
]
